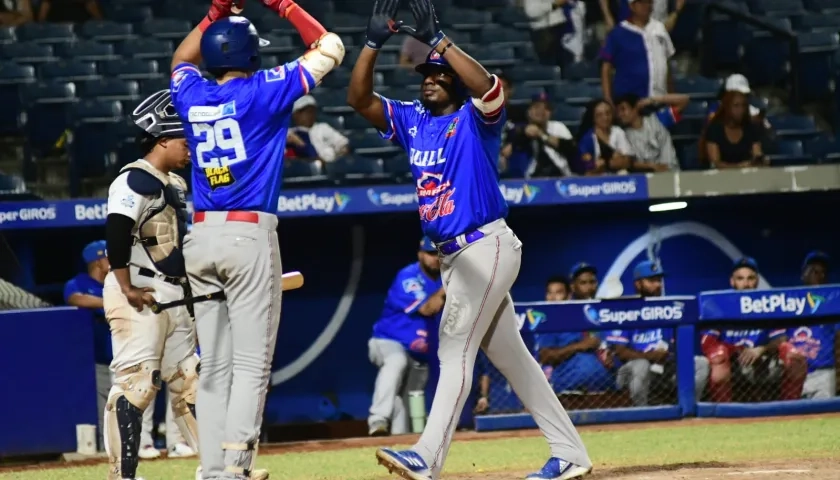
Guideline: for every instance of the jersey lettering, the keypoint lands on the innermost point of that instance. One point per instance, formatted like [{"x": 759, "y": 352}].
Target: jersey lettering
[
  {"x": 427, "y": 158},
  {"x": 441, "y": 207}
]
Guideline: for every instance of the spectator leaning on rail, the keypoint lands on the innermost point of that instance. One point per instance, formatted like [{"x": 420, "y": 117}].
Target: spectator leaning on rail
[
  {"x": 541, "y": 148},
  {"x": 648, "y": 354},
  {"x": 637, "y": 52},
  {"x": 744, "y": 360},
  {"x": 659, "y": 12},
  {"x": 602, "y": 145},
  {"x": 556, "y": 29},
  {"x": 310, "y": 139},
  {"x": 732, "y": 139},
  {"x": 648, "y": 134},
  {"x": 85, "y": 291}
]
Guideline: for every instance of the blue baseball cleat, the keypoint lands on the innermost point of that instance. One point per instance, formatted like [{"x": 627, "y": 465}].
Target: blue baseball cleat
[
  {"x": 405, "y": 463},
  {"x": 558, "y": 469}
]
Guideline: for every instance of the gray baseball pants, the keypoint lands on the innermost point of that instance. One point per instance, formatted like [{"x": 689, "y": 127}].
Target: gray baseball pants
[{"x": 236, "y": 336}]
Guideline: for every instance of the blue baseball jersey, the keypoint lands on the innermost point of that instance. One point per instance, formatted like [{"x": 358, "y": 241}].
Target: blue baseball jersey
[
  {"x": 816, "y": 342},
  {"x": 84, "y": 284},
  {"x": 237, "y": 134},
  {"x": 400, "y": 320},
  {"x": 581, "y": 371},
  {"x": 748, "y": 338},
  {"x": 454, "y": 163},
  {"x": 642, "y": 340}
]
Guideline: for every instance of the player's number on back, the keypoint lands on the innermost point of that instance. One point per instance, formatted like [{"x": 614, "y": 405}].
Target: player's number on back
[{"x": 224, "y": 134}]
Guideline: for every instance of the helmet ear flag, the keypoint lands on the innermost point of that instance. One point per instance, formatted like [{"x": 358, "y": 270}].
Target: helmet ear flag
[{"x": 232, "y": 43}]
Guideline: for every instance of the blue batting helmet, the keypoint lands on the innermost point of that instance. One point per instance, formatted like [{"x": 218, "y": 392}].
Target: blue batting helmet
[
  {"x": 436, "y": 63},
  {"x": 232, "y": 43}
]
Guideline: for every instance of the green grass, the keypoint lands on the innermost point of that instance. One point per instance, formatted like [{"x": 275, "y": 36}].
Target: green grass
[{"x": 791, "y": 439}]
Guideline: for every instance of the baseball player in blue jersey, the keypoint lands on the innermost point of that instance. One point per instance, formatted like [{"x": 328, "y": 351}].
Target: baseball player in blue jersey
[
  {"x": 399, "y": 340},
  {"x": 453, "y": 138},
  {"x": 236, "y": 126}
]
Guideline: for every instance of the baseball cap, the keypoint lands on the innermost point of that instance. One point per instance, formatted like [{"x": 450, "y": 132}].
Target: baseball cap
[
  {"x": 737, "y": 83},
  {"x": 745, "y": 262},
  {"x": 93, "y": 251},
  {"x": 815, "y": 256},
  {"x": 426, "y": 245},
  {"x": 303, "y": 102},
  {"x": 582, "y": 267},
  {"x": 541, "y": 97},
  {"x": 647, "y": 269}
]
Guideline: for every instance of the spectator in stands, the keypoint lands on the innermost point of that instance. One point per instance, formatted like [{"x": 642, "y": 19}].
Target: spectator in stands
[
  {"x": 310, "y": 139},
  {"x": 603, "y": 146},
  {"x": 746, "y": 358},
  {"x": 557, "y": 28},
  {"x": 584, "y": 281},
  {"x": 637, "y": 52},
  {"x": 648, "y": 355},
  {"x": 557, "y": 289},
  {"x": 69, "y": 11},
  {"x": 14, "y": 13},
  {"x": 732, "y": 139},
  {"x": 85, "y": 291},
  {"x": 648, "y": 134},
  {"x": 516, "y": 114},
  {"x": 413, "y": 52},
  {"x": 815, "y": 268},
  {"x": 660, "y": 12},
  {"x": 542, "y": 148},
  {"x": 739, "y": 83}
]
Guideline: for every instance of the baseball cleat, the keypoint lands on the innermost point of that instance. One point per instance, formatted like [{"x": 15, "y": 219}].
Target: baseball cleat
[
  {"x": 378, "y": 429},
  {"x": 559, "y": 469},
  {"x": 181, "y": 450},
  {"x": 148, "y": 452},
  {"x": 405, "y": 463},
  {"x": 259, "y": 475}
]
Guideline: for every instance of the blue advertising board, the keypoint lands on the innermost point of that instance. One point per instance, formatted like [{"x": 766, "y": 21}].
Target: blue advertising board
[
  {"x": 346, "y": 200},
  {"x": 796, "y": 302}
]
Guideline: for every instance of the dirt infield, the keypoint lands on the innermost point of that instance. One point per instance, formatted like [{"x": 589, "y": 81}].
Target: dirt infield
[{"x": 778, "y": 470}]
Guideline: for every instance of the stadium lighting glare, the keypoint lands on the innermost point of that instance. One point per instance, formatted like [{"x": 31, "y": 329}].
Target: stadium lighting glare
[{"x": 667, "y": 206}]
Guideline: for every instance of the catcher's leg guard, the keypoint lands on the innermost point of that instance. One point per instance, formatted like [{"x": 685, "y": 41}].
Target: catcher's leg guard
[
  {"x": 182, "y": 389},
  {"x": 133, "y": 390},
  {"x": 249, "y": 472}
]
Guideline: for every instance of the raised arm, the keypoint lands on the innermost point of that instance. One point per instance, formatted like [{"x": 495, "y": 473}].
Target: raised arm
[{"x": 189, "y": 51}]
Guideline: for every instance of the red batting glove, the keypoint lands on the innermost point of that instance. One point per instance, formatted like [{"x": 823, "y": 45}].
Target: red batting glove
[
  {"x": 282, "y": 7},
  {"x": 219, "y": 9}
]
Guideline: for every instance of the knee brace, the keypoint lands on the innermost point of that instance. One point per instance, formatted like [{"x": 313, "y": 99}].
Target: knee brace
[
  {"x": 133, "y": 390},
  {"x": 183, "y": 384}
]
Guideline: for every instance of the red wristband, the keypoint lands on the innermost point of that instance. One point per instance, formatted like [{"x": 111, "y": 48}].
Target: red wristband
[
  {"x": 310, "y": 30},
  {"x": 204, "y": 24}
]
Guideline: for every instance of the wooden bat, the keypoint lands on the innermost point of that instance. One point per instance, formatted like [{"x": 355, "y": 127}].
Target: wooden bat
[{"x": 292, "y": 281}]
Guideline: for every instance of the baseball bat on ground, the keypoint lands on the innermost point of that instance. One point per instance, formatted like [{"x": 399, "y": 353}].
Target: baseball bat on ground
[{"x": 291, "y": 281}]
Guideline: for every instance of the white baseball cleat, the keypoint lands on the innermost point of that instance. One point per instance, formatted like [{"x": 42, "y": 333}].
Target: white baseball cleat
[
  {"x": 148, "y": 452},
  {"x": 181, "y": 450}
]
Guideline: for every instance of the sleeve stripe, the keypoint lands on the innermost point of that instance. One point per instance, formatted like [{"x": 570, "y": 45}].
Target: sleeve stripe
[
  {"x": 675, "y": 114},
  {"x": 185, "y": 67},
  {"x": 303, "y": 80},
  {"x": 414, "y": 305},
  {"x": 392, "y": 127}
]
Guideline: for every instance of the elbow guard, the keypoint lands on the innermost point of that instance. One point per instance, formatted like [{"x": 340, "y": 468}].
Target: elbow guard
[
  {"x": 493, "y": 101},
  {"x": 118, "y": 240},
  {"x": 325, "y": 55}
]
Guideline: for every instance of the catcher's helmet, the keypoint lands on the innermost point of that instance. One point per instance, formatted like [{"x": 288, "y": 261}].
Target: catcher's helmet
[
  {"x": 436, "y": 63},
  {"x": 157, "y": 116},
  {"x": 232, "y": 43}
]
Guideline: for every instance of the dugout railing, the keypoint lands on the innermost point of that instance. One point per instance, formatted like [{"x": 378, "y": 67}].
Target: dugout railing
[{"x": 796, "y": 312}]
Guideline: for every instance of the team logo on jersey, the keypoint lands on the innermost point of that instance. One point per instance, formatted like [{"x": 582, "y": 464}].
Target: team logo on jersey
[
  {"x": 413, "y": 131},
  {"x": 275, "y": 74},
  {"x": 452, "y": 129},
  {"x": 219, "y": 177},
  {"x": 412, "y": 285},
  {"x": 178, "y": 78},
  {"x": 434, "y": 56},
  {"x": 204, "y": 114},
  {"x": 431, "y": 184}
]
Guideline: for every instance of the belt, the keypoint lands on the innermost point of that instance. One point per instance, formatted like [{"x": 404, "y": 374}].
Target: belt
[
  {"x": 234, "y": 216},
  {"x": 153, "y": 274},
  {"x": 451, "y": 246}
]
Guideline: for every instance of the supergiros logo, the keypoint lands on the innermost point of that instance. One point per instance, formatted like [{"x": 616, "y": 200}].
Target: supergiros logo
[
  {"x": 313, "y": 202},
  {"x": 518, "y": 196},
  {"x": 600, "y": 316},
  {"x": 382, "y": 199},
  {"x": 569, "y": 189}
]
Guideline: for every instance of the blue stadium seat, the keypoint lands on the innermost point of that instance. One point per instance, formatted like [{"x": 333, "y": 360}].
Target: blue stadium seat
[
  {"x": 92, "y": 149},
  {"x": 45, "y": 32},
  {"x": 96, "y": 111},
  {"x": 467, "y": 19},
  {"x": 12, "y": 77},
  {"x": 460, "y": 36},
  {"x": 356, "y": 122},
  {"x": 147, "y": 48},
  {"x": 695, "y": 111},
  {"x": 403, "y": 94},
  {"x": 570, "y": 116},
  {"x": 385, "y": 60},
  {"x": 302, "y": 173},
  {"x": 188, "y": 11},
  {"x": 524, "y": 93},
  {"x": 69, "y": 71},
  {"x": 110, "y": 89},
  {"x": 11, "y": 184},
  {"x": 778, "y": 8},
  {"x": 371, "y": 145},
  {"x": 698, "y": 88},
  {"x": 824, "y": 148},
  {"x": 494, "y": 57},
  {"x": 498, "y": 35},
  {"x": 166, "y": 28},
  {"x": 152, "y": 85},
  {"x": 534, "y": 74},
  {"x": 358, "y": 170},
  {"x": 86, "y": 50},
  {"x": 7, "y": 35},
  {"x": 398, "y": 167},
  {"x": 576, "y": 93},
  {"x": 725, "y": 37},
  {"x": 279, "y": 44},
  {"x": 789, "y": 153},
  {"x": 816, "y": 64},
  {"x": 689, "y": 157},
  {"x": 129, "y": 13},
  {"x": 106, "y": 30},
  {"x": 512, "y": 17},
  {"x": 331, "y": 100},
  {"x": 48, "y": 92},
  {"x": 27, "y": 52},
  {"x": 794, "y": 126},
  {"x": 828, "y": 7},
  {"x": 583, "y": 72},
  {"x": 131, "y": 69},
  {"x": 817, "y": 22},
  {"x": 766, "y": 57},
  {"x": 348, "y": 22},
  {"x": 402, "y": 77},
  {"x": 338, "y": 78}
]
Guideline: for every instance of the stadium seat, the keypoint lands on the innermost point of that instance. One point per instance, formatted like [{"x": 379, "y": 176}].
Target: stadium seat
[
  {"x": 147, "y": 48},
  {"x": 338, "y": 79},
  {"x": 348, "y": 22},
  {"x": 357, "y": 170},
  {"x": 524, "y": 93},
  {"x": 828, "y": 7},
  {"x": 404, "y": 94},
  {"x": 468, "y": 19},
  {"x": 498, "y": 35},
  {"x": 535, "y": 74},
  {"x": 12, "y": 77},
  {"x": 45, "y": 32},
  {"x": 48, "y": 92},
  {"x": 96, "y": 111},
  {"x": 279, "y": 44},
  {"x": 92, "y": 149},
  {"x": 356, "y": 122},
  {"x": 131, "y": 69},
  {"x": 11, "y": 184},
  {"x": 695, "y": 111},
  {"x": 331, "y": 100},
  {"x": 7, "y": 35},
  {"x": 576, "y": 93},
  {"x": 371, "y": 145},
  {"x": 793, "y": 126},
  {"x": 44, "y": 124},
  {"x": 129, "y": 13},
  {"x": 188, "y": 11},
  {"x": 816, "y": 64},
  {"x": 698, "y": 88},
  {"x": 110, "y": 89},
  {"x": 766, "y": 57},
  {"x": 568, "y": 115},
  {"x": 494, "y": 57},
  {"x": 27, "y": 52},
  {"x": 106, "y": 30},
  {"x": 166, "y": 28},
  {"x": 778, "y": 8},
  {"x": 583, "y": 72},
  {"x": 85, "y": 50},
  {"x": 789, "y": 153},
  {"x": 301, "y": 173},
  {"x": 152, "y": 85},
  {"x": 403, "y": 77},
  {"x": 512, "y": 17},
  {"x": 817, "y": 22},
  {"x": 824, "y": 148},
  {"x": 398, "y": 167},
  {"x": 724, "y": 39},
  {"x": 69, "y": 71},
  {"x": 689, "y": 157}
]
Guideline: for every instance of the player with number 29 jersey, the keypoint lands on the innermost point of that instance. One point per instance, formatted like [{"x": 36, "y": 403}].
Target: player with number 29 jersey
[{"x": 237, "y": 133}]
